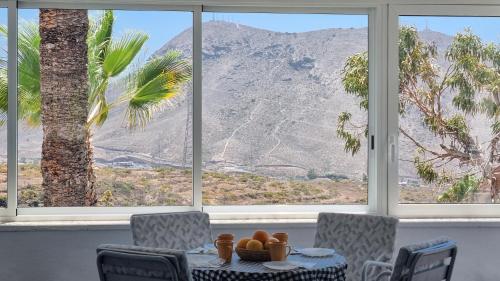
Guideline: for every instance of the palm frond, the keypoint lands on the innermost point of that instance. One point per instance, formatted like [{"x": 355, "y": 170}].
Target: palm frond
[
  {"x": 122, "y": 52},
  {"x": 29, "y": 103},
  {"x": 29, "y": 107},
  {"x": 28, "y": 35},
  {"x": 107, "y": 58},
  {"x": 29, "y": 99},
  {"x": 100, "y": 32},
  {"x": 3, "y": 91},
  {"x": 169, "y": 62},
  {"x": 98, "y": 103},
  {"x": 98, "y": 113},
  {"x": 98, "y": 41},
  {"x": 158, "y": 81},
  {"x": 29, "y": 57}
]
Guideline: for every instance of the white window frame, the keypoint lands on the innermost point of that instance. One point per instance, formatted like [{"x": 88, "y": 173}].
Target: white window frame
[
  {"x": 311, "y": 211},
  {"x": 10, "y": 211},
  {"x": 423, "y": 210},
  {"x": 13, "y": 212},
  {"x": 377, "y": 114}
]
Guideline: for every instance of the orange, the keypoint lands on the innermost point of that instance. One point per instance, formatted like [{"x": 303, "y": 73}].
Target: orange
[
  {"x": 261, "y": 235},
  {"x": 243, "y": 242},
  {"x": 270, "y": 240},
  {"x": 255, "y": 245}
]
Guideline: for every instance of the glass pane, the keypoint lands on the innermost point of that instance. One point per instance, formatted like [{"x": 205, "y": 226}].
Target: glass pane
[
  {"x": 131, "y": 146},
  {"x": 276, "y": 113},
  {"x": 450, "y": 108},
  {"x": 3, "y": 108}
]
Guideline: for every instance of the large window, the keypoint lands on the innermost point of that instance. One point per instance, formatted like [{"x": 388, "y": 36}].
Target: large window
[
  {"x": 243, "y": 110},
  {"x": 281, "y": 122},
  {"x": 131, "y": 145}
]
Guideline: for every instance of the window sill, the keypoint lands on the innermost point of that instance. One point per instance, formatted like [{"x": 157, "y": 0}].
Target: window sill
[
  {"x": 124, "y": 224},
  {"x": 450, "y": 222},
  {"x": 63, "y": 225},
  {"x": 237, "y": 224}
]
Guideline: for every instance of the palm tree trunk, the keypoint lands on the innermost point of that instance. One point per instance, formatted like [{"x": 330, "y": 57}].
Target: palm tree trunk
[{"x": 68, "y": 178}]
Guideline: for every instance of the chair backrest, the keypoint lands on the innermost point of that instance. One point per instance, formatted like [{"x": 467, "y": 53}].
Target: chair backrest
[
  {"x": 132, "y": 263},
  {"x": 357, "y": 237},
  {"x": 182, "y": 231},
  {"x": 428, "y": 261}
]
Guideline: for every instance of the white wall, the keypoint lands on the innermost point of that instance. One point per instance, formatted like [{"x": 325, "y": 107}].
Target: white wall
[{"x": 69, "y": 255}]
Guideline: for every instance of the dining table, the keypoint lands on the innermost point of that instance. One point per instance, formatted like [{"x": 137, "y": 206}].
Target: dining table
[{"x": 205, "y": 267}]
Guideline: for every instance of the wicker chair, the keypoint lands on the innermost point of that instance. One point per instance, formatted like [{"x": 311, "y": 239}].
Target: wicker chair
[{"x": 359, "y": 238}]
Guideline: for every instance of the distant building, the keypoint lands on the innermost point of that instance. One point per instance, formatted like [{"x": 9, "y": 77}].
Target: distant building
[
  {"x": 409, "y": 181},
  {"x": 124, "y": 164}
]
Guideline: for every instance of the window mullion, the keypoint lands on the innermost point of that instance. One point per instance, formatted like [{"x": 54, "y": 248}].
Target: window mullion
[
  {"x": 12, "y": 109},
  {"x": 392, "y": 109},
  {"x": 197, "y": 107},
  {"x": 377, "y": 191}
]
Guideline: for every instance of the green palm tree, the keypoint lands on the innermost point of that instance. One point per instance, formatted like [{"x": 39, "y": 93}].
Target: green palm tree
[{"x": 147, "y": 87}]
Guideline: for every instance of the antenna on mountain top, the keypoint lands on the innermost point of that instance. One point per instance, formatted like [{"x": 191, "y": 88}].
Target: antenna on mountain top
[{"x": 426, "y": 25}]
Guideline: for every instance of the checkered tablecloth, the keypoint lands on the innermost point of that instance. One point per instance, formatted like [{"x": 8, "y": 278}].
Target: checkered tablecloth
[{"x": 331, "y": 268}]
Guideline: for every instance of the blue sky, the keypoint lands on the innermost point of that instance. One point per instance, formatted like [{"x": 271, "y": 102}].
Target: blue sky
[
  {"x": 162, "y": 26},
  {"x": 488, "y": 28}
]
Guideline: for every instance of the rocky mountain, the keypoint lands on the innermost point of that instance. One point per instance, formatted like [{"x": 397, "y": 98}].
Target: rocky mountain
[
  {"x": 270, "y": 106},
  {"x": 271, "y": 100}
]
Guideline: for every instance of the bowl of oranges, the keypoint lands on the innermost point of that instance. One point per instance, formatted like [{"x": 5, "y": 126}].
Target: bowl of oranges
[{"x": 255, "y": 248}]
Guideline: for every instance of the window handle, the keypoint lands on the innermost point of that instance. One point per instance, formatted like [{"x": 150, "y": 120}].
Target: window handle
[{"x": 392, "y": 149}]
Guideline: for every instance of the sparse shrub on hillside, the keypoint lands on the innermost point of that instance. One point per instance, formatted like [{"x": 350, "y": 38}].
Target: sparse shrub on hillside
[
  {"x": 336, "y": 177},
  {"x": 460, "y": 190},
  {"x": 3, "y": 168},
  {"x": 30, "y": 196},
  {"x": 164, "y": 170},
  {"x": 107, "y": 198},
  {"x": 3, "y": 201},
  {"x": 187, "y": 172},
  {"x": 276, "y": 185},
  {"x": 365, "y": 178},
  {"x": 311, "y": 174},
  {"x": 123, "y": 187},
  {"x": 176, "y": 189}
]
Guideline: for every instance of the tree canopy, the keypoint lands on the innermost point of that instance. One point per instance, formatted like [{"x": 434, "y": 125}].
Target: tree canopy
[
  {"x": 147, "y": 89},
  {"x": 446, "y": 97}
]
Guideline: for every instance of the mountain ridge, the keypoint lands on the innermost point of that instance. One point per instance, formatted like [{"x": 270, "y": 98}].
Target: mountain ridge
[{"x": 270, "y": 106}]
